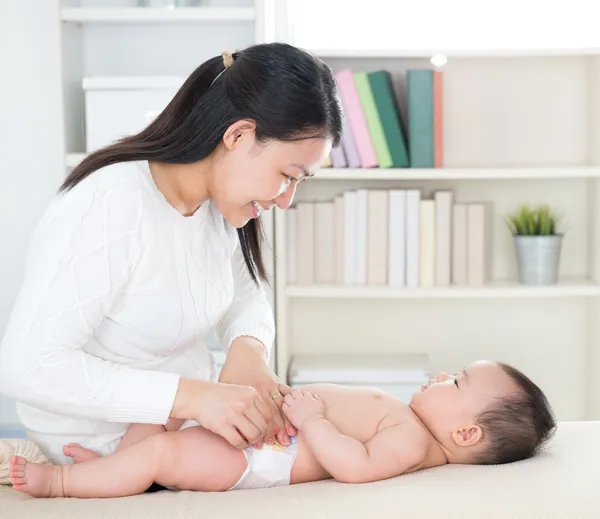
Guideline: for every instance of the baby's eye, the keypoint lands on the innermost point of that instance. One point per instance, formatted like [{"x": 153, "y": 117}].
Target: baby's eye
[{"x": 456, "y": 382}]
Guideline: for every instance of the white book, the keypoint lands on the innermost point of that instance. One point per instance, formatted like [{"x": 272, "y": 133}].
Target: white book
[
  {"x": 397, "y": 237},
  {"x": 305, "y": 243},
  {"x": 338, "y": 238},
  {"x": 362, "y": 205},
  {"x": 349, "y": 237},
  {"x": 443, "y": 237},
  {"x": 459, "y": 244},
  {"x": 427, "y": 243},
  {"x": 413, "y": 199},
  {"x": 324, "y": 249},
  {"x": 479, "y": 239},
  {"x": 291, "y": 251},
  {"x": 377, "y": 237}
]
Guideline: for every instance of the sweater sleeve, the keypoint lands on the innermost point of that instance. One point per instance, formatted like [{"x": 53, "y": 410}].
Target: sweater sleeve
[
  {"x": 79, "y": 259},
  {"x": 250, "y": 313}
]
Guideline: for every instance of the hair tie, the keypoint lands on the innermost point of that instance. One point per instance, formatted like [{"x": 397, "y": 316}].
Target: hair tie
[{"x": 227, "y": 58}]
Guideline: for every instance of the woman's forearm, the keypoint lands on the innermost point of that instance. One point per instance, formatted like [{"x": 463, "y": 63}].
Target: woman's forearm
[
  {"x": 188, "y": 392},
  {"x": 248, "y": 346},
  {"x": 74, "y": 383}
]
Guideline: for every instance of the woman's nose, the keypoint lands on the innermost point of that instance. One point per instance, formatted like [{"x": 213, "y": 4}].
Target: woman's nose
[{"x": 285, "y": 199}]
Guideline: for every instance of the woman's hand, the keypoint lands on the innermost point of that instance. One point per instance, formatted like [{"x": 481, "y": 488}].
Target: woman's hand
[
  {"x": 246, "y": 364},
  {"x": 235, "y": 412}
]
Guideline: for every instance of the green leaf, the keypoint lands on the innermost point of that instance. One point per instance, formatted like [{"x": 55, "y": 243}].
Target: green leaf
[{"x": 532, "y": 221}]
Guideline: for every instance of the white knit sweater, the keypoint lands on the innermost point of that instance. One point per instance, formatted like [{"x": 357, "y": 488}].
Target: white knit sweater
[{"x": 119, "y": 291}]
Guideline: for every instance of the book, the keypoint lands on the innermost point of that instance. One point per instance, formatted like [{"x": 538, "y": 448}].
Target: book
[
  {"x": 375, "y": 128},
  {"x": 443, "y": 237},
  {"x": 420, "y": 118},
  {"x": 389, "y": 115}
]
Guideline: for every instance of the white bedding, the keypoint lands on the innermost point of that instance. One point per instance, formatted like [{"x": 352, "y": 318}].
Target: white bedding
[{"x": 562, "y": 482}]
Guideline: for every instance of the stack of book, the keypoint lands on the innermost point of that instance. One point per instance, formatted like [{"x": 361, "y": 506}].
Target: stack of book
[
  {"x": 392, "y": 237},
  {"x": 401, "y": 375},
  {"x": 389, "y": 126}
]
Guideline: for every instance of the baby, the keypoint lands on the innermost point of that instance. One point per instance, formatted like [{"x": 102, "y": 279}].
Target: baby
[{"x": 489, "y": 413}]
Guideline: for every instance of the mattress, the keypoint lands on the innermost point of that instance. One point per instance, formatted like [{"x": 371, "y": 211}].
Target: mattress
[{"x": 561, "y": 482}]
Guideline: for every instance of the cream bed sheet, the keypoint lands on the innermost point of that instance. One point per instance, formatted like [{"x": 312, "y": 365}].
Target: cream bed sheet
[{"x": 563, "y": 482}]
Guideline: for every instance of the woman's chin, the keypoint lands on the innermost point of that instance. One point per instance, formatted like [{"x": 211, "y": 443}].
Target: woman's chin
[{"x": 238, "y": 220}]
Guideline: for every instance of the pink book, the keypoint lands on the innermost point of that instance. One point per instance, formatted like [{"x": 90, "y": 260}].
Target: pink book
[
  {"x": 355, "y": 117},
  {"x": 438, "y": 120}
]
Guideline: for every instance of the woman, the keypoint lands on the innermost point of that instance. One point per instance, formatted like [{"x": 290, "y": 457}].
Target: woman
[{"x": 155, "y": 240}]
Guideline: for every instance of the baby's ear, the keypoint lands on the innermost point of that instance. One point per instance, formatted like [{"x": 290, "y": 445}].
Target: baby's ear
[{"x": 467, "y": 437}]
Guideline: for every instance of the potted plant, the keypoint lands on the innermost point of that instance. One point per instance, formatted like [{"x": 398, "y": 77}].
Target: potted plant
[{"x": 537, "y": 244}]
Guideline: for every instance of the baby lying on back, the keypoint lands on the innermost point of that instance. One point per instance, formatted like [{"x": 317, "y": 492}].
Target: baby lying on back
[{"x": 489, "y": 413}]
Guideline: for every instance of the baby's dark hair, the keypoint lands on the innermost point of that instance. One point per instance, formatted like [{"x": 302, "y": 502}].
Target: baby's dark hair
[{"x": 515, "y": 427}]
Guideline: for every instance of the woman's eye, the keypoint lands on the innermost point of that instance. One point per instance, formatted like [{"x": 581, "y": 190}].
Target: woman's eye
[{"x": 290, "y": 179}]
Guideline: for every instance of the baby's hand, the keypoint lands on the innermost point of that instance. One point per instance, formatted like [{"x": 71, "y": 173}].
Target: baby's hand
[{"x": 302, "y": 406}]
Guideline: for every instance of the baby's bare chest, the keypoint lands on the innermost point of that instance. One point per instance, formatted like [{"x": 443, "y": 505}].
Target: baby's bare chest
[{"x": 357, "y": 412}]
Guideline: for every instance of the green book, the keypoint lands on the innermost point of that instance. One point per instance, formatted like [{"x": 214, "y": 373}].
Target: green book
[
  {"x": 374, "y": 125},
  {"x": 420, "y": 117},
  {"x": 389, "y": 115}
]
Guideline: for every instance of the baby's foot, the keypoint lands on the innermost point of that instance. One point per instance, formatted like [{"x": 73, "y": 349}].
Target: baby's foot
[
  {"x": 35, "y": 479},
  {"x": 78, "y": 453}
]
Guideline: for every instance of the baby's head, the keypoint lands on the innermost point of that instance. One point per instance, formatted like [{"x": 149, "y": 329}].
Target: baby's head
[{"x": 489, "y": 413}]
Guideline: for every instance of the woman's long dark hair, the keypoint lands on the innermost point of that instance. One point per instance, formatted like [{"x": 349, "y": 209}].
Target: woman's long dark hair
[{"x": 287, "y": 92}]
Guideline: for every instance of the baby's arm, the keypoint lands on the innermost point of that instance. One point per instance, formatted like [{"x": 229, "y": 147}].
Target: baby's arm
[{"x": 392, "y": 451}]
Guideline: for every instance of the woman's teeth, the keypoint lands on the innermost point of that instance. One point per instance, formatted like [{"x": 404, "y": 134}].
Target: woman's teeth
[{"x": 259, "y": 208}]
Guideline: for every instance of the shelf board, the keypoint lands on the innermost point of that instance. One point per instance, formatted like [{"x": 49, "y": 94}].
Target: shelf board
[
  {"x": 452, "y": 53},
  {"x": 153, "y": 14},
  {"x": 456, "y": 173},
  {"x": 72, "y": 159},
  {"x": 495, "y": 290}
]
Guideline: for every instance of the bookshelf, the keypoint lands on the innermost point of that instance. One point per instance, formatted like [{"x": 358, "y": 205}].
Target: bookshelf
[
  {"x": 500, "y": 290},
  {"x": 455, "y": 53},
  {"x": 72, "y": 159},
  {"x": 520, "y": 125},
  {"x": 456, "y": 173}
]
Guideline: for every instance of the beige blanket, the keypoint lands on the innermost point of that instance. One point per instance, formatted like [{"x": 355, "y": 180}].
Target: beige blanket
[{"x": 564, "y": 482}]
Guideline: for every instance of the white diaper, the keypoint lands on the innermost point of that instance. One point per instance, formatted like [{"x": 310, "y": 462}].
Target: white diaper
[{"x": 270, "y": 466}]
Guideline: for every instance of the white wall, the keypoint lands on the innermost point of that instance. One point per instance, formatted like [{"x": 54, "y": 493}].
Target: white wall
[{"x": 31, "y": 149}]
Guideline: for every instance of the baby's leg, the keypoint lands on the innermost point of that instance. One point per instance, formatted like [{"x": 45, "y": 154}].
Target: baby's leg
[
  {"x": 135, "y": 432},
  {"x": 193, "y": 459}
]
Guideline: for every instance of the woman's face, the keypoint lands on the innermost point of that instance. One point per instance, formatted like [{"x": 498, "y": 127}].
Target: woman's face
[{"x": 250, "y": 177}]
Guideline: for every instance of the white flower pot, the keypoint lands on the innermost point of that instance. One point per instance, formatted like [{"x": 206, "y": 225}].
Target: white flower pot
[{"x": 538, "y": 258}]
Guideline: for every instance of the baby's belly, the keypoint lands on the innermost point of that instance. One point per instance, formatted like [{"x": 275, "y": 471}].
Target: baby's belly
[{"x": 306, "y": 468}]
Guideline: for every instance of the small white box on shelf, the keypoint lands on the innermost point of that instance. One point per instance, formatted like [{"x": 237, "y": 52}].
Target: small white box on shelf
[
  {"x": 119, "y": 106},
  {"x": 401, "y": 375}
]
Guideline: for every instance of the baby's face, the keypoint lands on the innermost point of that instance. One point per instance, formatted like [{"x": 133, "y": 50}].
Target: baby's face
[{"x": 449, "y": 403}]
